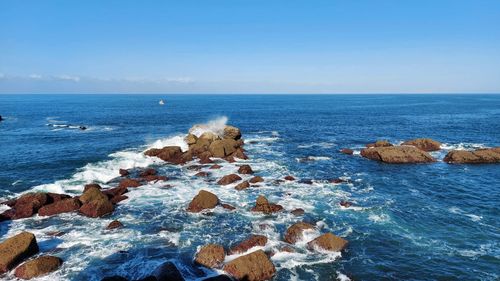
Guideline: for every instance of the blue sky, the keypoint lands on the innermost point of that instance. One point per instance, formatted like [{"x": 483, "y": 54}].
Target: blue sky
[{"x": 250, "y": 46}]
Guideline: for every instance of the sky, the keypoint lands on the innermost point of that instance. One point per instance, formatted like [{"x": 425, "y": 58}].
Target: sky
[{"x": 250, "y": 46}]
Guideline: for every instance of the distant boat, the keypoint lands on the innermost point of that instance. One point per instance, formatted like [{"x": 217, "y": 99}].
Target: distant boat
[{"x": 161, "y": 102}]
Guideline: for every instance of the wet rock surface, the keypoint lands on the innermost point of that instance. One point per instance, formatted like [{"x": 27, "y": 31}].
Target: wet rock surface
[
  {"x": 478, "y": 156},
  {"x": 397, "y": 154}
]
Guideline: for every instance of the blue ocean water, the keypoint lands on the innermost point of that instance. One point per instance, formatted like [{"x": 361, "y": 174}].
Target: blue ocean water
[{"x": 409, "y": 222}]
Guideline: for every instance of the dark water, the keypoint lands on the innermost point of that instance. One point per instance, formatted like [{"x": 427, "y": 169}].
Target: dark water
[{"x": 410, "y": 222}]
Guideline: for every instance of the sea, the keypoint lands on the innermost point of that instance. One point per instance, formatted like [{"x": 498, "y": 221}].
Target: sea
[{"x": 433, "y": 221}]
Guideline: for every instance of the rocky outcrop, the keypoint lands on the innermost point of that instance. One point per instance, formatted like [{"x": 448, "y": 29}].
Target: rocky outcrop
[
  {"x": 114, "y": 224},
  {"x": 171, "y": 154},
  {"x": 424, "y": 144},
  {"x": 231, "y": 132},
  {"x": 242, "y": 185},
  {"x": 62, "y": 206},
  {"x": 397, "y": 155},
  {"x": 256, "y": 179},
  {"x": 229, "y": 179},
  {"x": 294, "y": 232},
  {"x": 191, "y": 139},
  {"x": 95, "y": 203},
  {"x": 380, "y": 143},
  {"x": 347, "y": 151},
  {"x": 289, "y": 178},
  {"x": 211, "y": 256},
  {"x": 203, "y": 200},
  {"x": 245, "y": 170},
  {"x": 255, "y": 266},
  {"x": 125, "y": 183},
  {"x": 29, "y": 204},
  {"x": 247, "y": 244},
  {"x": 37, "y": 267},
  {"x": 15, "y": 249},
  {"x": 263, "y": 205},
  {"x": 328, "y": 242},
  {"x": 298, "y": 212},
  {"x": 223, "y": 148},
  {"x": 479, "y": 156}
]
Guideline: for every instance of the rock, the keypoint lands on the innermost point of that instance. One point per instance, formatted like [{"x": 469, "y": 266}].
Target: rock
[
  {"x": 205, "y": 158},
  {"x": 262, "y": 205},
  {"x": 289, "y": 178},
  {"x": 129, "y": 183},
  {"x": 209, "y": 136},
  {"x": 114, "y": 224},
  {"x": 97, "y": 208},
  {"x": 203, "y": 200},
  {"x": 28, "y": 204},
  {"x": 124, "y": 172},
  {"x": 256, "y": 179},
  {"x": 294, "y": 232},
  {"x": 148, "y": 172},
  {"x": 479, "y": 156},
  {"x": 155, "y": 178},
  {"x": 201, "y": 174},
  {"x": 229, "y": 179},
  {"x": 255, "y": 266},
  {"x": 397, "y": 154},
  {"x": 379, "y": 143},
  {"x": 211, "y": 256},
  {"x": 15, "y": 249},
  {"x": 230, "y": 159},
  {"x": 247, "y": 244},
  {"x": 328, "y": 242},
  {"x": 54, "y": 197},
  {"x": 347, "y": 151},
  {"x": 227, "y": 206},
  {"x": 167, "y": 272},
  {"x": 1, "y": 119},
  {"x": 306, "y": 181},
  {"x": 91, "y": 185},
  {"x": 62, "y": 206},
  {"x": 199, "y": 147},
  {"x": 424, "y": 144},
  {"x": 222, "y": 148},
  {"x": 171, "y": 154},
  {"x": 298, "y": 212},
  {"x": 83, "y": 128},
  {"x": 91, "y": 194},
  {"x": 215, "y": 167},
  {"x": 38, "y": 267},
  {"x": 337, "y": 181},
  {"x": 345, "y": 204},
  {"x": 231, "y": 132},
  {"x": 240, "y": 154},
  {"x": 190, "y": 139},
  {"x": 242, "y": 185},
  {"x": 245, "y": 170}
]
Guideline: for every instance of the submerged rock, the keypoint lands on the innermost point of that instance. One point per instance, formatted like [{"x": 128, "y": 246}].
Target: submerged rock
[
  {"x": 38, "y": 267},
  {"x": 255, "y": 266},
  {"x": 114, "y": 224},
  {"x": 203, "y": 200},
  {"x": 294, "y": 232},
  {"x": 242, "y": 185},
  {"x": 229, "y": 179},
  {"x": 15, "y": 249},
  {"x": 245, "y": 170},
  {"x": 123, "y": 172},
  {"x": 262, "y": 205},
  {"x": 479, "y": 156},
  {"x": 247, "y": 244},
  {"x": 289, "y": 178},
  {"x": 129, "y": 183},
  {"x": 345, "y": 204},
  {"x": 211, "y": 256},
  {"x": 298, "y": 212},
  {"x": 328, "y": 242},
  {"x": 424, "y": 144},
  {"x": 397, "y": 154}
]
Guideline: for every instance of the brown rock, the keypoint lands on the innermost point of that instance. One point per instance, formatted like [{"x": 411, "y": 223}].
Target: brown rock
[
  {"x": 479, "y": 156},
  {"x": 222, "y": 148},
  {"x": 215, "y": 167},
  {"x": 62, "y": 206},
  {"x": 211, "y": 256},
  {"x": 240, "y": 154},
  {"x": 27, "y": 205},
  {"x": 262, "y": 205},
  {"x": 227, "y": 206},
  {"x": 379, "y": 143},
  {"x": 247, "y": 244},
  {"x": 298, "y": 212},
  {"x": 54, "y": 197},
  {"x": 345, "y": 204},
  {"x": 242, "y": 185},
  {"x": 148, "y": 172},
  {"x": 205, "y": 158},
  {"x": 209, "y": 136},
  {"x": 201, "y": 146},
  {"x": 255, "y": 266},
  {"x": 256, "y": 179},
  {"x": 397, "y": 154},
  {"x": 245, "y": 170},
  {"x": 123, "y": 172},
  {"x": 231, "y": 132},
  {"x": 191, "y": 139},
  {"x": 115, "y": 191},
  {"x": 15, "y": 249},
  {"x": 230, "y": 159},
  {"x": 114, "y": 224},
  {"x": 201, "y": 174},
  {"x": 203, "y": 200},
  {"x": 294, "y": 232},
  {"x": 328, "y": 242},
  {"x": 97, "y": 208},
  {"x": 129, "y": 183},
  {"x": 91, "y": 194},
  {"x": 424, "y": 144},
  {"x": 91, "y": 185},
  {"x": 337, "y": 181},
  {"x": 171, "y": 154},
  {"x": 347, "y": 151},
  {"x": 229, "y": 179},
  {"x": 289, "y": 178},
  {"x": 38, "y": 267}
]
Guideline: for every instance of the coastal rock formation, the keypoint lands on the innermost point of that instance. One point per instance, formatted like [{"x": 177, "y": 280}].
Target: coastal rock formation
[
  {"x": 255, "y": 266},
  {"x": 166, "y": 271},
  {"x": 231, "y": 132},
  {"x": 191, "y": 139},
  {"x": 242, "y": 185},
  {"x": 211, "y": 256},
  {"x": 15, "y": 249},
  {"x": 95, "y": 203},
  {"x": 62, "y": 206},
  {"x": 424, "y": 144},
  {"x": 229, "y": 179},
  {"x": 289, "y": 178},
  {"x": 479, "y": 156},
  {"x": 379, "y": 143},
  {"x": 129, "y": 183},
  {"x": 29, "y": 204},
  {"x": 328, "y": 242},
  {"x": 294, "y": 232},
  {"x": 298, "y": 212},
  {"x": 256, "y": 179},
  {"x": 223, "y": 148},
  {"x": 347, "y": 151},
  {"x": 262, "y": 205},
  {"x": 38, "y": 267},
  {"x": 203, "y": 200},
  {"x": 114, "y": 224},
  {"x": 247, "y": 244},
  {"x": 245, "y": 170},
  {"x": 397, "y": 154},
  {"x": 171, "y": 154}
]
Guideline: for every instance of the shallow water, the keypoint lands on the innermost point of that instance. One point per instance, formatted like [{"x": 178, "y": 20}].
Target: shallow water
[{"x": 410, "y": 222}]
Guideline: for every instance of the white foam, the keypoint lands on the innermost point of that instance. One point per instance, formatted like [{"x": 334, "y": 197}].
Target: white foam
[
  {"x": 313, "y": 158},
  {"x": 215, "y": 126},
  {"x": 342, "y": 277}
]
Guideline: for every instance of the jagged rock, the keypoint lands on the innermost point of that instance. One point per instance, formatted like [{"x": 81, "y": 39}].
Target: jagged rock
[
  {"x": 91, "y": 185},
  {"x": 148, "y": 172},
  {"x": 91, "y": 194},
  {"x": 203, "y": 200},
  {"x": 95, "y": 203},
  {"x": 211, "y": 137},
  {"x": 247, "y": 244},
  {"x": 424, "y": 144},
  {"x": 201, "y": 146},
  {"x": 155, "y": 178},
  {"x": 171, "y": 154},
  {"x": 118, "y": 198},
  {"x": 229, "y": 179},
  {"x": 211, "y": 256},
  {"x": 256, "y": 179},
  {"x": 240, "y": 154},
  {"x": 262, "y": 205},
  {"x": 397, "y": 154},
  {"x": 191, "y": 139},
  {"x": 294, "y": 232},
  {"x": 255, "y": 266},
  {"x": 129, "y": 183},
  {"x": 222, "y": 148},
  {"x": 38, "y": 267},
  {"x": 242, "y": 185},
  {"x": 230, "y": 159},
  {"x": 347, "y": 151},
  {"x": 218, "y": 278},
  {"x": 479, "y": 156},
  {"x": 337, "y": 181},
  {"x": 289, "y": 178},
  {"x": 245, "y": 170},
  {"x": 231, "y": 132},
  {"x": 123, "y": 172},
  {"x": 328, "y": 242},
  {"x": 298, "y": 212},
  {"x": 25, "y": 206},
  {"x": 15, "y": 249},
  {"x": 62, "y": 206}
]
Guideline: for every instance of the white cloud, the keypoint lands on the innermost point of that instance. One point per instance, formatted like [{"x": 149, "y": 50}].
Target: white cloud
[
  {"x": 65, "y": 77},
  {"x": 35, "y": 76}
]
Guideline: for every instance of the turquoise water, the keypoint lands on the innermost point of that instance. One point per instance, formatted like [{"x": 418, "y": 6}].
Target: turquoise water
[{"x": 409, "y": 222}]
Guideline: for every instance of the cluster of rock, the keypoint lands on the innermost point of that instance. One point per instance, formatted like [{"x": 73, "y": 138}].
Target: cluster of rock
[
  {"x": 479, "y": 156},
  {"x": 15, "y": 251}
]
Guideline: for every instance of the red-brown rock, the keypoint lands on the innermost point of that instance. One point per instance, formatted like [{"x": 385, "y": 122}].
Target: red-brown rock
[
  {"x": 38, "y": 267},
  {"x": 347, "y": 151},
  {"x": 91, "y": 185},
  {"x": 298, "y": 212},
  {"x": 255, "y": 266},
  {"x": 124, "y": 172},
  {"x": 229, "y": 179},
  {"x": 245, "y": 170},
  {"x": 289, "y": 178},
  {"x": 114, "y": 224},
  {"x": 227, "y": 206},
  {"x": 262, "y": 205},
  {"x": 211, "y": 256},
  {"x": 424, "y": 144},
  {"x": 62, "y": 206},
  {"x": 397, "y": 154},
  {"x": 15, "y": 249},
  {"x": 129, "y": 183},
  {"x": 479, "y": 156},
  {"x": 242, "y": 185},
  {"x": 148, "y": 172},
  {"x": 247, "y": 244},
  {"x": 256, "y": 179},
  {"x": 328, "y": 242},
  {"x": 294, "y": 232},
  {"x": 203, "y": 200},
  {"x": 201, "y": 174},
  {"x": 215, "y": 167}
]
